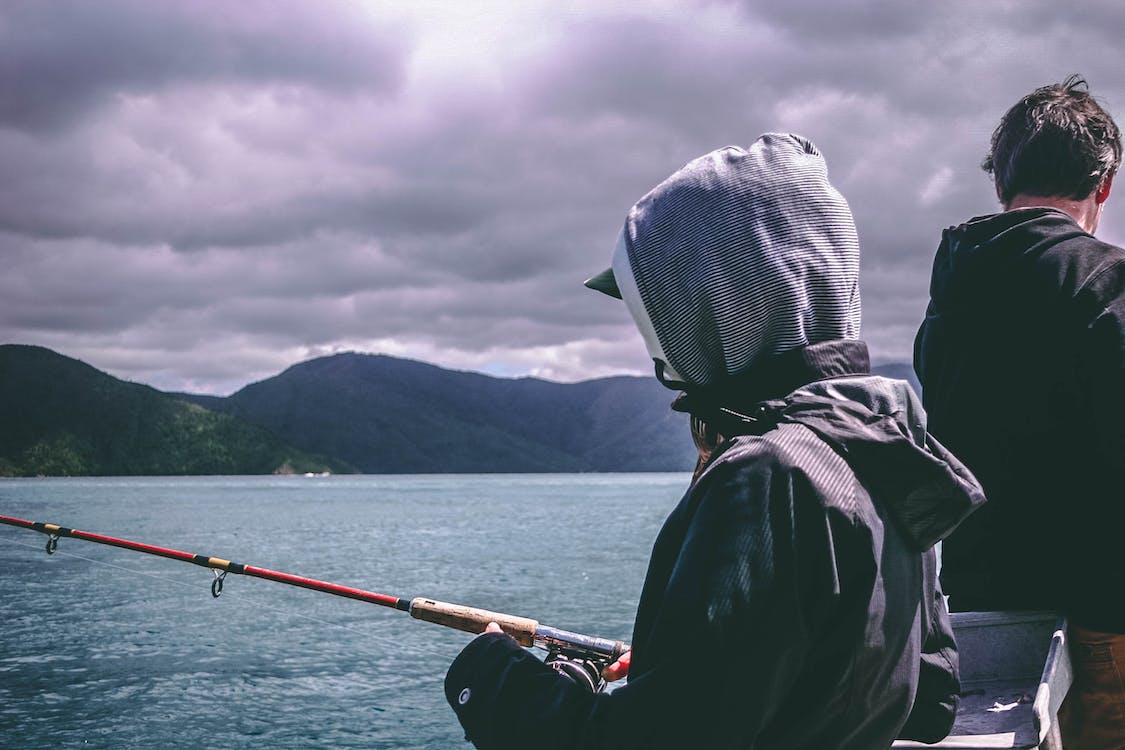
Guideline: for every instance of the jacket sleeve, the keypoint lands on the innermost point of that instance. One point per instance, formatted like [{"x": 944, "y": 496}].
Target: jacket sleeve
[
  {"x": 505, "y": 697},
  {"x": 723, "y": 647},
  {"x": 939, "y": 685}
]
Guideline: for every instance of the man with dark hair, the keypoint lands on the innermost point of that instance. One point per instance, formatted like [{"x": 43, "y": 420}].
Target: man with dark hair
[
  {"x": 1056, "y": 142},
  {"x": 791, "y": 598},
  {"x": 1022, "y": 362}
]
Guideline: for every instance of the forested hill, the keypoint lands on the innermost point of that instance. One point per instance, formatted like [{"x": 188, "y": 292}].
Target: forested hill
[
  {"x": 383, "y": 414},
  {"x": 61, "y": 417},
  {"x": 348, "y": 412}
]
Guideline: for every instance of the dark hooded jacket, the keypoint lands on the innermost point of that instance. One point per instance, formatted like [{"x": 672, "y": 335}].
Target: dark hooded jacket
[
  {"x": 1022, "y": 362},
  {"x": 790, "y": 600}
]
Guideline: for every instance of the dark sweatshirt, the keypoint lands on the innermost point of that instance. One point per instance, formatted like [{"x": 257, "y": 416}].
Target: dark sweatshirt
[
  {"x": 1022, "y": 362},
  {"x": 790, "y": 600}
]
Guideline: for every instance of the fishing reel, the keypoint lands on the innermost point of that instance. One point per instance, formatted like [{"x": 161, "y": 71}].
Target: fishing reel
[{"x": 584, "y": 672}]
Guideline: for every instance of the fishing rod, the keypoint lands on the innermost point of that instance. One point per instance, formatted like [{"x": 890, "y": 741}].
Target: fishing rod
[{"x": 580, "y": 657}]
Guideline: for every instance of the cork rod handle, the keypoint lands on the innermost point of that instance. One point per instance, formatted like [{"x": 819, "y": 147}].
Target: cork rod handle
[{"x": 473, "y": 620}]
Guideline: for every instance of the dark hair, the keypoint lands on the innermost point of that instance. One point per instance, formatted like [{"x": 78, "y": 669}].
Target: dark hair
[{"x": 1056, "y": 141}]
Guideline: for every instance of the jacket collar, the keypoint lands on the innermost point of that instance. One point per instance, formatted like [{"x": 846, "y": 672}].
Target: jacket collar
[
  {"x": 876, "y": 424},
  {"x": 779, "y": 375}
]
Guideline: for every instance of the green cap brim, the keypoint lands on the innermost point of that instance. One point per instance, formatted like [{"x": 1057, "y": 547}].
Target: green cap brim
[{"x": 604, "y": 282}]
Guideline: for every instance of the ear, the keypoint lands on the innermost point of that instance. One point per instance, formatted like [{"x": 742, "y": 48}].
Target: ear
[{"x": 1102, "y": 192}]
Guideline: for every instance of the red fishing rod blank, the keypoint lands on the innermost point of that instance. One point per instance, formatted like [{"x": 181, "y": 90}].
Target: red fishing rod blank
[{"x": 55, "y": 532}]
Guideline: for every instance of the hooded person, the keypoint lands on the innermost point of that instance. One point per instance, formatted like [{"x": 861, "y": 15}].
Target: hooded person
[{"x": 791, "y": 598}]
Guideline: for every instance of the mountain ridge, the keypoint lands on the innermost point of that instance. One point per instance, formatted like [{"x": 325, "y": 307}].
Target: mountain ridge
[
  {"x": 63, "y": 417},
  {"x": 412, "y": 416},
  {"x": 349, "y": 412}
]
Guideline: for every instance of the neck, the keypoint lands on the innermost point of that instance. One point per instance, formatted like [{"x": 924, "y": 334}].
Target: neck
[{"x": 1085, "y": 212}]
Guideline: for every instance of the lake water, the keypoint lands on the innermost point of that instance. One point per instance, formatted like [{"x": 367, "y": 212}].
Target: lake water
[{"x": 105, "y": 648}]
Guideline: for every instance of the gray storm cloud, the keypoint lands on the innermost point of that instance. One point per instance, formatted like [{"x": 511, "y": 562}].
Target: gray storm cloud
[
  {"x": 63, "y": 59},
  {"x": 198, "y": 195}
]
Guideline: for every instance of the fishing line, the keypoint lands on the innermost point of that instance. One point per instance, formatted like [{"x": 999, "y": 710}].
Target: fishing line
[{"x": 257, "y": 601}]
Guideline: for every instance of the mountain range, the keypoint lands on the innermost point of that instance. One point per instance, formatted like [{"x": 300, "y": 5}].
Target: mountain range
[
  {"x": 343, "y": 413},
  {"x": 62, "y": 417}
]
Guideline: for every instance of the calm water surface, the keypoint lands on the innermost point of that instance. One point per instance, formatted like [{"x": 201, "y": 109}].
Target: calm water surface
[{"x": 105, "y": 648}]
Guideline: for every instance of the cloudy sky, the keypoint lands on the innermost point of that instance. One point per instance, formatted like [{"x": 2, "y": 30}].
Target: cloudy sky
[{"x": 198, "y": 194}]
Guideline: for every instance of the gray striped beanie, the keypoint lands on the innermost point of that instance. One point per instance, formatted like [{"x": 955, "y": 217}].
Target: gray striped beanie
[{"x": 740, "y": 255}]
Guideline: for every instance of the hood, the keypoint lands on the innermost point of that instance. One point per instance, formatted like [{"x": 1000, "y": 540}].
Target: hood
[
  {"x": 878, "y": 425},
  {"x": 740, "y": 255},
  {"x": 980, "y": 256}
]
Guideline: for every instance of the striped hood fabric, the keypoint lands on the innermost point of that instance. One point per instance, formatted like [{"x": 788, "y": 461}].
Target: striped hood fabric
[{"x": 740, "y": 255}]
